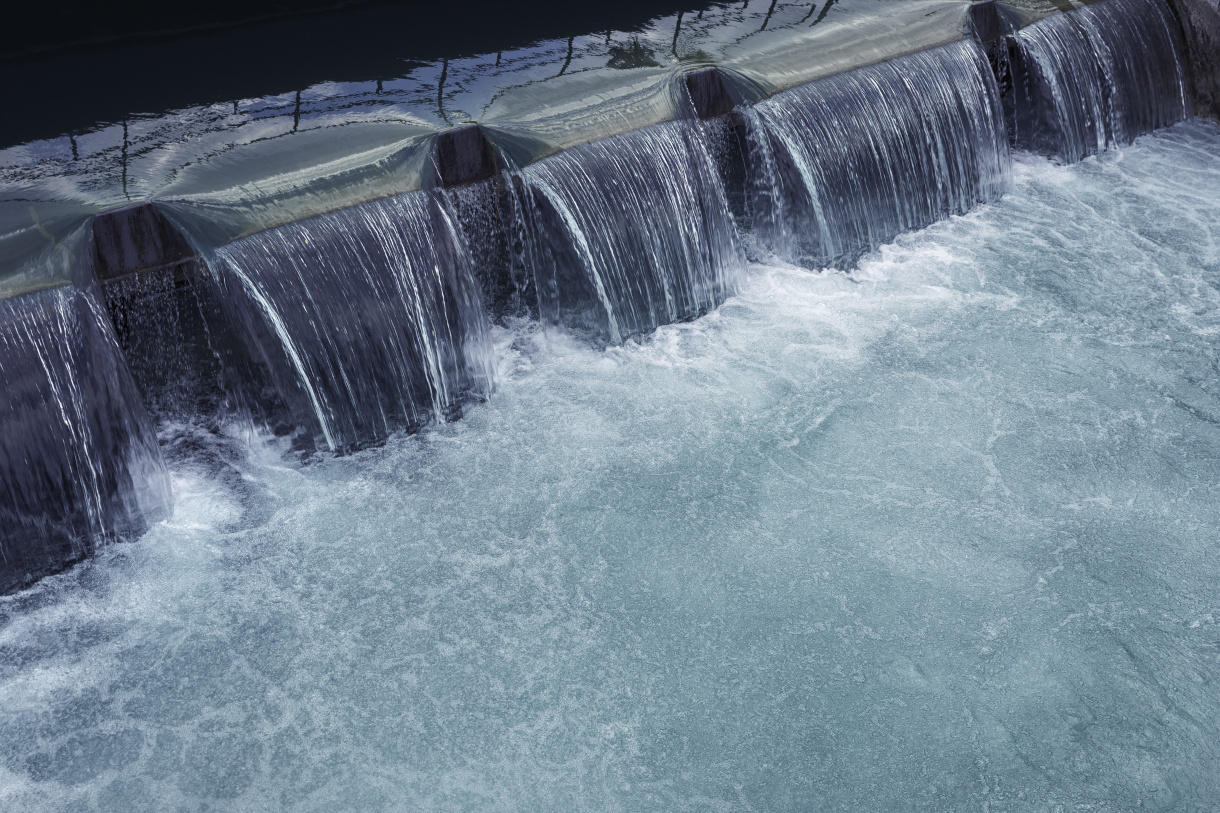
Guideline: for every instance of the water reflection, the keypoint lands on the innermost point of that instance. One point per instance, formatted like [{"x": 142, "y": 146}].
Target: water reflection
[{"x": 131, "y": 159}]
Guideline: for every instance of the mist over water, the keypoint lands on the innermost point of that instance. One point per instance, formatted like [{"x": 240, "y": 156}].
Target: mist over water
[{"x": 936, "y": 535}]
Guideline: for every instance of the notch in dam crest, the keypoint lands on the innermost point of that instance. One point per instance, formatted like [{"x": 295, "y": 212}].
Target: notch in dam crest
[
  {"x": 715, "y": 91},
  {"x": 709, "y": 95},
  {"x": 136, "y": 238},
  {"x": 986, "y": 24},
  {"x": 464, "y": 155}
]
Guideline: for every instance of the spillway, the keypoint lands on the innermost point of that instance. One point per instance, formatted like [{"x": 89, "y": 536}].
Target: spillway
[
  {"x": 345, "y": 291},
  {"x": 1097, "y": 78},
  {"x": 772, "y": 406},
  {"x": 841, "y": 166},
  {"x": 368, "y": 319},
  {"x": 627, "y": 236},
  {"x": 79, "y": 465}
]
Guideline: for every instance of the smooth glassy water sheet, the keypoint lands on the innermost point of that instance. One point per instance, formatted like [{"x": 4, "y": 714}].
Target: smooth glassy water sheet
[{"x": 941, "y": 535}]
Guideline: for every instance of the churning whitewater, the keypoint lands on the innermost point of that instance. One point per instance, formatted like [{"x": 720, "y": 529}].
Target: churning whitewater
[{"x": 938, "y": 534}]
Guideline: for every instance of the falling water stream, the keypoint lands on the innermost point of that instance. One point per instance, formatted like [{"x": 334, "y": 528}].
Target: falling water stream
[
  {"x": 628, "y": 235},
  {"x": 368, "y": 318},
  {"x": 843, "y": 165},
  {"x": 1097, "y": 78},
  {"x": 79, "y": 465}
]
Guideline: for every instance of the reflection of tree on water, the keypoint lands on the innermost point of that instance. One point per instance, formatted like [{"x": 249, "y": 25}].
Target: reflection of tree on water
[
  {"x": 440, "y": 91},
  {"x": 567, "y": 61},
  {"x": 822, "y": 16},
  {"x": 633, "y": 55},
  {"x": 770, "y": 11}
]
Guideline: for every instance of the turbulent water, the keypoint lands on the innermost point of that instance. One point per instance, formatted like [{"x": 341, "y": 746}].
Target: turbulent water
[{"x": 939, "y": 535}]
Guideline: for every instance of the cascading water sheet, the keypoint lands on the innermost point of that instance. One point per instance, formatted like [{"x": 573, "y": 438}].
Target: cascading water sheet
[
  {"x": 844, "y": 164},
  {"x": 1096, "y": 77},
  {"x": 79, "y": 461},
  {"x": 627, "y": 235},
  {"x": 368, "y": 318}
]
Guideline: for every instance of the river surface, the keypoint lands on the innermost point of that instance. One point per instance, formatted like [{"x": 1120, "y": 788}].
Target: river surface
[{"x": 941, "y": 534}]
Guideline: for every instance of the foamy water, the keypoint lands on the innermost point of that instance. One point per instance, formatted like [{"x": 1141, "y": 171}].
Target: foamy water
[{"x": 941, "y": 535}]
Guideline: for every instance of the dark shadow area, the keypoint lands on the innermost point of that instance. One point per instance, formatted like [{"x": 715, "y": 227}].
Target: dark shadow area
[{"x": 66, "y": 67}]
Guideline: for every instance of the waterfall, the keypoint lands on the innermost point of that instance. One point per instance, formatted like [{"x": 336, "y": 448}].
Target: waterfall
[
  {"x": 492, "y": 230},
  {"x": 1096, "y": 77},
  {"x": 368, "y": 319},
  {"x": 350, "y": 326},
  {"x": 841, "y": 165},
  {"x": 628, "y": 234},
  {"x": 79, "y": 461}
]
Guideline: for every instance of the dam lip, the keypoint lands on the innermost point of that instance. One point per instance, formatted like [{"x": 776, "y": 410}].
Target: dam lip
[
  {"x": 506, "y": 132},
  {"x": 491, "y": 134},
  {"x": 161, "y": 187},
  {"x": 493, "y": 128},
  {"x": 677, "y": 83},
  {"x": 34, "y": 289}
]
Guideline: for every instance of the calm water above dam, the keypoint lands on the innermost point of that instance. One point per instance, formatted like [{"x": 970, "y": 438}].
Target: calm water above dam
[{"x": 938, "y": 535}]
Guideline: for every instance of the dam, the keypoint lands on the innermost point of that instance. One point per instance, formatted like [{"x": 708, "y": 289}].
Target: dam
[{"x": 709, "y": 414}]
